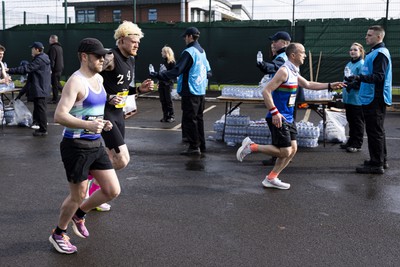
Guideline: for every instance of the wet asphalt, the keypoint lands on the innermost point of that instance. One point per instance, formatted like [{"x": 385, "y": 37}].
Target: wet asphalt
[{"x": 203, "y": 211}]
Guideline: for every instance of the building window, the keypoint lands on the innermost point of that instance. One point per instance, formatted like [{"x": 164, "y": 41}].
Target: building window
[
  {"x": 152, "y": 15},
  {"x": 85, "y": 15},
  {"x": 117, "y": 15}
]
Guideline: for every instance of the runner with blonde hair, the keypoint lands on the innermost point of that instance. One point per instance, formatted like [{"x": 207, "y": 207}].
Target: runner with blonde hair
[{"x": 119, "y": 74}]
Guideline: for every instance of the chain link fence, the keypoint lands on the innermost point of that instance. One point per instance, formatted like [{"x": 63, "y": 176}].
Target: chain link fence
[{"x": 17, "y": 12}]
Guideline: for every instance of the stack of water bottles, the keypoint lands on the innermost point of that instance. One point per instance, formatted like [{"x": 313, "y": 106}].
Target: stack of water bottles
[
  {"x": 258, "y": 131},
  {"x": 307, "y": 134},
  {"x": 236, "y": 129},
  {"x": 5, "y": 87},
  {"x": 243, "y": 92},
  {"x": 322, "y": 95}
]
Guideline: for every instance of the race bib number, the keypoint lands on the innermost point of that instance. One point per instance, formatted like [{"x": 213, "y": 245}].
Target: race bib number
[{"x": 292, "y": 100}]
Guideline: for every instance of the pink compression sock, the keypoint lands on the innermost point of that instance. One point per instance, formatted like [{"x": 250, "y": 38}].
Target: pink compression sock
[{"x": 93, "y": 188}]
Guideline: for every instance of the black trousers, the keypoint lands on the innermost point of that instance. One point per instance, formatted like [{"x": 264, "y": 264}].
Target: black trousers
[
  {"x": 374, "y": 115},
  {"x": 355, "y": 118},
  {"x": 39, "y": 113},
  {"x": 55, "y": 84},
  {"x": 192, "y": 120},
  {"x": 166, "y": 101}
]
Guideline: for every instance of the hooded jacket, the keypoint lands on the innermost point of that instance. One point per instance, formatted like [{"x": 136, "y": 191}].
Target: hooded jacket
[{"x": 39, "y": 78}]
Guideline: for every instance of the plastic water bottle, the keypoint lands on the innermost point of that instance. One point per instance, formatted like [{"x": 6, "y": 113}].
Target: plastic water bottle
[
  {"x": 259, "y": 56},
  {"x": 347, "y": 72},
  {"x": 151, "y": 68}
]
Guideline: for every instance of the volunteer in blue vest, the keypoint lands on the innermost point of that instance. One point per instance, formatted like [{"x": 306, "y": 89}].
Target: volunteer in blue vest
[
  {"x": 193, "y": 71},
  {"x": 279, "y": 41},
  {"x": 375, "y": 94},
  {"x": 352, "y": 104}
]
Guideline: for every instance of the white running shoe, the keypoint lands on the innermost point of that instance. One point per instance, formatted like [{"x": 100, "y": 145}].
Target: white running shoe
[
  {"x": 244, "y": 150},
  {"x": 103, "y": 207},
  {"x": 275, "y": 183}
]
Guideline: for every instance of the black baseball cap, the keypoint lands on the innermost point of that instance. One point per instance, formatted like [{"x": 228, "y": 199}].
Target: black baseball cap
[
  {"x": 92, "y": 46},
  {"x": 280, "y": 36},
  {"x": 191, "y": 31},
  {"x": 37, "y": 45}
]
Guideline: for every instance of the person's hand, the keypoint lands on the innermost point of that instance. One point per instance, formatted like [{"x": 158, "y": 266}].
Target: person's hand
[
  {"x": 336, "y": 86},
  {"x": 153, "y": 74},
  {"x": 96, "y": 126},
  {"x": 115, "y": 100},
  {"x": 107, "y": 125},
  {"x": 261, "y": 65},
  {"x": 277, "y": 120},
  {"x": 352, "y": 78},
  {"x": 147, "y": 86},
  {"x": 352, "y": 86}
]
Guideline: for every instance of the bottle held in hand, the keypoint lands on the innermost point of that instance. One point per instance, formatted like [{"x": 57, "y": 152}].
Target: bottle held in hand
[
  {"x": 259, "y": 57},
  {"x": 151, "y": 68}
]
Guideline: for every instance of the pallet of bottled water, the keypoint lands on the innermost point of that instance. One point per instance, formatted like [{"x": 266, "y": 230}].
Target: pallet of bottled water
[
  {"x": 243, "y": 92},
  {"x": 323, "y": 95},
  {"x": 307, "y": 134}
]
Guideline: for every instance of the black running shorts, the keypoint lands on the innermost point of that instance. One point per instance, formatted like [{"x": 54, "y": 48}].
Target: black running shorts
[
  {"x": 282, "y": 137},
  {"x": 80, "y": 156}
]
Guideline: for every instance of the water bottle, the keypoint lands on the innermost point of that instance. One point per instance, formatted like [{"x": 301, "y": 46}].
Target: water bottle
[
  {"x": 347, "y": 72},
  {"x": 259, "y": 56},
  {"x": 151, "y": 68}
]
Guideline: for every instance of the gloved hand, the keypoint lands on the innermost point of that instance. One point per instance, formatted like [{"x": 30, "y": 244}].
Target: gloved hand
[
  {"x": 352, "y": 86},
  {"x": 348, "y": 87},
  {"x": 153, "y": 74},
  {"x": 352, "y": 78},
  {"x": 261, "y": 65}
]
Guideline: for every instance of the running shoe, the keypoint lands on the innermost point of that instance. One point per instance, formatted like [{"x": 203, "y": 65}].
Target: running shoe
[
  {"x": 275, "y": 183},
  {"x": 61, "y": 243},
  {"x": 103, "y": 207},
  {"x": 78, "y": 225},
  {"x": 244, "y": 150}
]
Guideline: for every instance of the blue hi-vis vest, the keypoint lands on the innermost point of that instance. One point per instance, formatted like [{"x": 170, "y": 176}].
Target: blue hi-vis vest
[
  {"x": 352, "y": 96},
  {"x": 367, "y": 90},
  {"x": 197, "y": 74},
  {"x": 282, "y": 55}
]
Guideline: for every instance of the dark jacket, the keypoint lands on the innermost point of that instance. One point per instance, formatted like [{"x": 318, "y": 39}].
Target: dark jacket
[
  {"x": 39, "y": 78},
  {"x": 170, "y": 83},
  {"x": 56, "y": 57},
  {"x": 271, "y": 67}
]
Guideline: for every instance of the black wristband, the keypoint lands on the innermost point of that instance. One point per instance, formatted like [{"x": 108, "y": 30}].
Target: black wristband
[
  {"x": 138, "y": 90},
  {"x": 329, "y": 86}
]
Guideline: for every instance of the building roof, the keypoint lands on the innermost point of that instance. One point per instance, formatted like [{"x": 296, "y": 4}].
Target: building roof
[{"x": 119, "y": 3}]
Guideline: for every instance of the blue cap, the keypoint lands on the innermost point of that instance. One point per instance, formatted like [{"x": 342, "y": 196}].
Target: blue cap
[
  {"x": 280, "y": 36},
  {"x": 38, "y": 45}
]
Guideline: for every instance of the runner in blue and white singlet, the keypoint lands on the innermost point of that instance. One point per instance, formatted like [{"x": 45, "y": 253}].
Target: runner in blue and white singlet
[{"x": 90, "y": 107}]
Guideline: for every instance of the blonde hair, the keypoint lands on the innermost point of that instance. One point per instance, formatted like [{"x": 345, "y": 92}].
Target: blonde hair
[
  {"x": 169, "y": 54},
  {"x": 127, "y": 28},
  {"x": 361, "y": 48}
]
